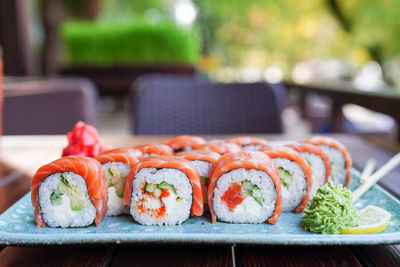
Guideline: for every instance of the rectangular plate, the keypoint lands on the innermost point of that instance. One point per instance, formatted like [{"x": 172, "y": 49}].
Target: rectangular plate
[{"x": 17, "y": 227}]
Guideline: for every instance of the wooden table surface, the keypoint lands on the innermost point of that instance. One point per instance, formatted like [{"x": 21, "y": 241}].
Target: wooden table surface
[
  {"x": 386, "y": 100},
  {"x": 21, "y": 156}
]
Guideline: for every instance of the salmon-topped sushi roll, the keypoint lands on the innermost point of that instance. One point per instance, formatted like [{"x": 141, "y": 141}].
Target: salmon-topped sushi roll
[
  {"x": 117, "y": 164},
  {"x": 339, "y": 158},
  {"x": 319, "y": 164},
  {"x": 249, "y": 143},
  {"x": 155, "y": 150},
  {"x": 245, "y": 188},
  {"x": 295, "y": 177},
  {"x": 220, "y": 147},
  {"x": 184, "y": 142},
  {"x": 202, "y": 160},
  {"x": 69, "y": 192},
  {"x": 163, "y": 190}
]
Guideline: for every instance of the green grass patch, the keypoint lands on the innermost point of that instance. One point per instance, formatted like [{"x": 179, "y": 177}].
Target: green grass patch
[{"x": 128, "y": 43}]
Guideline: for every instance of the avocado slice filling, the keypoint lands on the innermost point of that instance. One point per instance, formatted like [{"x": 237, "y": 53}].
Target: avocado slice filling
[
  {"x": 116, "y": 179},
  {"x": 64, "y": 187}
]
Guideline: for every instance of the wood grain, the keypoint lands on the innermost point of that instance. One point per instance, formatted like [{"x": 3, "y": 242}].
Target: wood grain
[
  {"x": 56, "y": 256},
  {"x": 377, "y": 255},
  {"x": 173, "y": 255},
  {"x": 384, "y": 101},
  {"x": 294, "y": 256}
]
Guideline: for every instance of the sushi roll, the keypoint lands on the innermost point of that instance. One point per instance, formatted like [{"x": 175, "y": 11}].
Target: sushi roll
[
  {"x": 295, "y": 177},
  {"x": 155, "y": 149},
  {"x": 220, "y": 147},
  {"x": 184, "y": 142},
  {"x": 249, "y": 143},
  {"x": 339, "y": 158},
  {"x": 319, "y": 163},
  {"x": 163, "y": 190},
  {"x": 245, "y": 188},
  {"x": 69, "y": 192},
  {"x": 117, "y": 164},
  {"x": 202, "y": 160}
]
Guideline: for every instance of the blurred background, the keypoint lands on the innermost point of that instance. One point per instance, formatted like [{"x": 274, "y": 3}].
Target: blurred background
[{"x": 337, "y": 61}]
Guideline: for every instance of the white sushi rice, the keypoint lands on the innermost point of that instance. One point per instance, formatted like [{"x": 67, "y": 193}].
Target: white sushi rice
[
  {"x": 338, "y": 167},
  {"x": 62, "y": 215},
  {"x": 114, "y": 202},
  {"x": 318, "y": 171},
  {"x": 251, "y": 147},
  {"x": 292, "y": 196},
  {"x": 249, "y": 211},
  {"x": 203, "y": 167},
  {"x": 177, "y": 211}
]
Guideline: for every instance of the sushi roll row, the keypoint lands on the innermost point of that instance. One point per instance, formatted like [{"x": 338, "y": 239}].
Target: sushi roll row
[
  {"x": 163, "y": 190},
  {"x": 69, "y": 192},
  {"x": 244, "y": 187},
  {"x": 240, "y": 180},
  {"x": 117, "y": 164},
  {"x": 339, "y": 158},
  {"x": 295, "y": 178},
  {"x": 202, "y": 160}
]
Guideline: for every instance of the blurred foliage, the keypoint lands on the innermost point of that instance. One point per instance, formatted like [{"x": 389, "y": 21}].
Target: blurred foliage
[
  {"x": 128, "y": 43},
  {"x": 375, "y": 24},
  {"x": 237, "y": 33},
  {"x": 129, "y": 8},
  {"x": 284, "y": 32}
]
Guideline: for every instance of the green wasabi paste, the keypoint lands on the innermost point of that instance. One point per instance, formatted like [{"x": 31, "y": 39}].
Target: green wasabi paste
[{"x": 330, "y": 210}]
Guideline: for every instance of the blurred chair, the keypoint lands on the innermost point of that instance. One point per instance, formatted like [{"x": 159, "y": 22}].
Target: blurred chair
[
  {"x": 165, "y": 104},
  {"x": 50, "y": 106}
]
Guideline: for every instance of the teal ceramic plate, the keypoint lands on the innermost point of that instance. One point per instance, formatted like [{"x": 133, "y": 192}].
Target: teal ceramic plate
[{"x": 17, "y": 227}]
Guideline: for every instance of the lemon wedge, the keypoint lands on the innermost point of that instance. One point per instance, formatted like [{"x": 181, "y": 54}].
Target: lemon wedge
[{"x": 372, "y": 220}]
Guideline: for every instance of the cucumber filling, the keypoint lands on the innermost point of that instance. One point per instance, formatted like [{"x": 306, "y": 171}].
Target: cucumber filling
[
  {"x": 156, "y": 189},
  {"x": 254, "y": 191},
  {"x": 285, "y": 177},
  {"x": 64, "y": 187}
]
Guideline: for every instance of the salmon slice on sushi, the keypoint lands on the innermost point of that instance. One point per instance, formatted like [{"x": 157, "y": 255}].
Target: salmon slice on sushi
[
  {"x": 249, "y": 143},
  {"x": 318, "y": 161},
  {"x": 117, "y": 164},
  {"x": 202, "y": 160},
  {"x": 184, "y": 143},
  {"x": 220, "y": 147},
  {"x": 155, "y": 150},
  {"x": 339, "y": 158},
  {"x": 295, "y": 177},
  {"x": 69, "y": 192},
  {"x": 163, "y": 190},
  {"x": 245, "y": 188}
]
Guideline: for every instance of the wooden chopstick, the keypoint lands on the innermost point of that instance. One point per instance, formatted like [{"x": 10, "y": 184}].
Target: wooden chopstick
[
  {"x": 374, "y": 178},
  {"x": 367, "y": 171}
]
